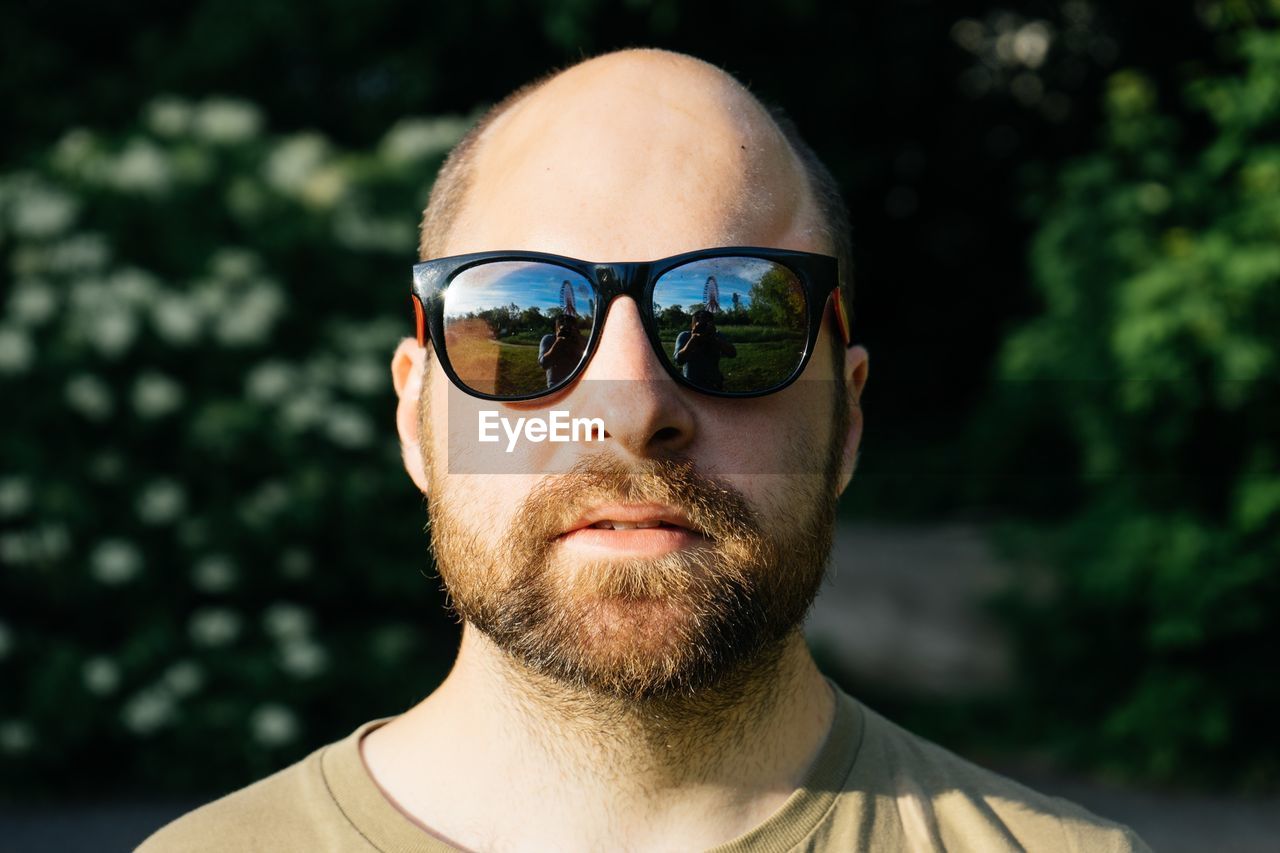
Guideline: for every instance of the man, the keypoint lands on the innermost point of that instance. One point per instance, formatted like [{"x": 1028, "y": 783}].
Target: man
[
  {"x": 560, "y": 352},
  {"x": 699, "y": 350},
  {"x": 632, "y": 675}
]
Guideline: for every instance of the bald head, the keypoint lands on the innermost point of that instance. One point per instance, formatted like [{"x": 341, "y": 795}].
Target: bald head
[{"x": 634, "y": 155}]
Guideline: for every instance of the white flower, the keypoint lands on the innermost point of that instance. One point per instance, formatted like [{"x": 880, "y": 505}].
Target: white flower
[
  {"x": 1031, "y": 43},
  {"x": 222, "y": 120},
  {"x": 115, "y": 561},
  {"x": 41, "y": 211},
  {"x": 32, "y": 302},
  {"x": 273, "y": 724},
  {"x": 17, "y": 353},
  {"x": 418, "y": 138},
  {"x": 15, "y": 496},
  {"x": 112, "y": 331},
  {"x": 250, "y": 318},
  {"x": 214, "y": 573},
  {"x": 148, "y": 710},
  {"x": 349, "y": 427},
  {"x": 6, "y": 641},
  {"x": 285, "y": 620},
  {"x": 293, "y": 161},
  {"x": 184, "y": 677},
  {"x": 161, "y": 502},
  {"x": 364, "y": 376},
  {"x": 324, "y": 187},
  {"x": 17, "y": 548},
  {"x": 303, "y": 658},
  {"x": 357, "y": 229},
  {"x": 89, "y": 396},
  {"x": 214, "y": 626},
  {"x": 168, "y": 116},
  {"x": 76, "y": 152},
  {"x": 305, "y": 409},
  {"x": 233, "y": 263},
  {"x": 16, "y": 736},
  {"x": 269, "y": 381},
  {"x": 100, "y": 675},
  {"x": 142, "y": 167},
  {"x": 156, "y": 395},
  {"x": 175, "y": 319},
  {"x": 295, "y": 564},
  {"x": 79, "y": 253},
  {"x": 133, "y": 285}
]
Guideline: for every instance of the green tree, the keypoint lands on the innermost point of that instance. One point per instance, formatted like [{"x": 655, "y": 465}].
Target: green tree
[
  {"x": 1153, "y": 369},
  {"x": 777, "y": 300}
]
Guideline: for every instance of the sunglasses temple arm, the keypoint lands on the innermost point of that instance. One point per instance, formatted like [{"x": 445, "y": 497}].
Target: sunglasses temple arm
[
  {"x": 420, "y": 320},
  {"x": 842, "y": 317}
]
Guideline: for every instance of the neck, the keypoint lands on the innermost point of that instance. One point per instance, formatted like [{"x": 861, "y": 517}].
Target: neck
[{"x": 736, "y": 752}]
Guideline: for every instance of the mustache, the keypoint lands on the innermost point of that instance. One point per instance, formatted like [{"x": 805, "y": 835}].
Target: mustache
[{"x": 715, "y": 508}]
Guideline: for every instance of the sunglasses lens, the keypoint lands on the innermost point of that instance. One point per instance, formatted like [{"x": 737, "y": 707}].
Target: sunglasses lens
[
  {"x": 516, "y": 328},
  {"x": 732, "y": 324}
]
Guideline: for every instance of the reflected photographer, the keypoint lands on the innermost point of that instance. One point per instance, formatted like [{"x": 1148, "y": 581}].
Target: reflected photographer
[{"x": 700, "y": 349}]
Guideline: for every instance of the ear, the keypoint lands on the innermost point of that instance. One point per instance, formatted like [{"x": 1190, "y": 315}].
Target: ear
[
  {"x": 856, "y": 365},
  {"x": 407, "y": 377}
]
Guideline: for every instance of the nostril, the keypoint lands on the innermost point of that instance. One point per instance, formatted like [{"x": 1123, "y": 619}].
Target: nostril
[{"x": 666, "y": 434}]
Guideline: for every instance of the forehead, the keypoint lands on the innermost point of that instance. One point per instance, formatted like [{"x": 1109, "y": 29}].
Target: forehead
[{"x": 634, "y": 160}]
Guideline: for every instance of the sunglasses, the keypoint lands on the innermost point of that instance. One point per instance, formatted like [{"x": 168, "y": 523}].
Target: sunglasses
[{"x": 739, "y": 321}]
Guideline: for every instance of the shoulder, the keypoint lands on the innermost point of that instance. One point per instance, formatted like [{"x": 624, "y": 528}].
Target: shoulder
[
  {"x": 290, "y": 810},
  {"x": 683, "y": 336},
  {"x": 935, "y": 797},
  {"x": 546, "y": 341}
]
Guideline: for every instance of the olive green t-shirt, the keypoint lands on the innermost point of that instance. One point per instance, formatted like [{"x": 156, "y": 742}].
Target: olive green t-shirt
[{"x": 874, "y": 786}]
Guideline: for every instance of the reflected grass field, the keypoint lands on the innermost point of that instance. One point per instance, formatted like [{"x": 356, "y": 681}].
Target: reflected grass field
[{"x": 510, "y": 366}]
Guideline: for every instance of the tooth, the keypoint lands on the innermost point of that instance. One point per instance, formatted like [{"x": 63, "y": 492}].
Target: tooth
[{"x": 647, "y": 524}]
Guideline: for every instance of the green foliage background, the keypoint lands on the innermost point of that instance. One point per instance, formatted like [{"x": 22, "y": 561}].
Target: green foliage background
[
  {"x": 1155, "y": 361},
  {"x": 208, "y": 564}
]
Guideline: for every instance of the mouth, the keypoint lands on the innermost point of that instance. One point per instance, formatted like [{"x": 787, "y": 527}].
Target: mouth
[{"x": 632, "y": 530}]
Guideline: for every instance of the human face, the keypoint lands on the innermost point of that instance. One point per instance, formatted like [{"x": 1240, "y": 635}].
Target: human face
[{"x": 749, "y": 486}]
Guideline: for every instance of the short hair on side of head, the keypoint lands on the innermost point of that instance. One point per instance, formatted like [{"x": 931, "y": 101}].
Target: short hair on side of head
[{"x": 830, "y": 201}]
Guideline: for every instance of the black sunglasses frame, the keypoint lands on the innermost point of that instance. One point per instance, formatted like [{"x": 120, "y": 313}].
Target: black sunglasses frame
[{"x": 817, "y": 274}]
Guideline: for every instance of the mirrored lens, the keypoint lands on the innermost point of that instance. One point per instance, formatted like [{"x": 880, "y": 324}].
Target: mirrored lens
[
  {"x": 514, "y": 328},
  {"x": 732, "y": 324}
]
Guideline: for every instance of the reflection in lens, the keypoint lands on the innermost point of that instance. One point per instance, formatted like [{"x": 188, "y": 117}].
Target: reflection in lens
[
  {"x": 732, "y": 324},
  {"x": 514, "y": 328}
]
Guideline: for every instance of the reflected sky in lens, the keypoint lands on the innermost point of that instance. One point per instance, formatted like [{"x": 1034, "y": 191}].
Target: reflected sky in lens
[
  {"x": 528, "y": 285},
  {"x": 685, "y": 285}
]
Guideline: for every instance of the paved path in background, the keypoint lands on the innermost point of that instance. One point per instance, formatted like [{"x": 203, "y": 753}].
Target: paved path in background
[{"x": 903, "y": 607}]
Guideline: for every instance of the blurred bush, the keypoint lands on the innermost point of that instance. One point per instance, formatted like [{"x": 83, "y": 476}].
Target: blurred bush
[
  {"x": 202, "y": 508},
  {"x": 1148, "y": 640}
]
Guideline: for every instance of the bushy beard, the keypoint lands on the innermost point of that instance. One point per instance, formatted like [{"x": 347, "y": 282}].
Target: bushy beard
[{"x": 642, "y": 629}]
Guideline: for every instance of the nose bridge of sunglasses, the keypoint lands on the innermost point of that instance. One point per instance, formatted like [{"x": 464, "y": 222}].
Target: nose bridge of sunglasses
[{"x": 612, "y": 281}]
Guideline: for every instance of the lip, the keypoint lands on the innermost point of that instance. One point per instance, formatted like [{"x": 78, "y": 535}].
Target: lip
[
  {"x": 634, "y": 514},
  {"x": 603, "y": 543}
]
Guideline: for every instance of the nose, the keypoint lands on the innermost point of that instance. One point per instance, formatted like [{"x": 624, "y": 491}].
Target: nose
[{"x": 644, "y": 412}]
